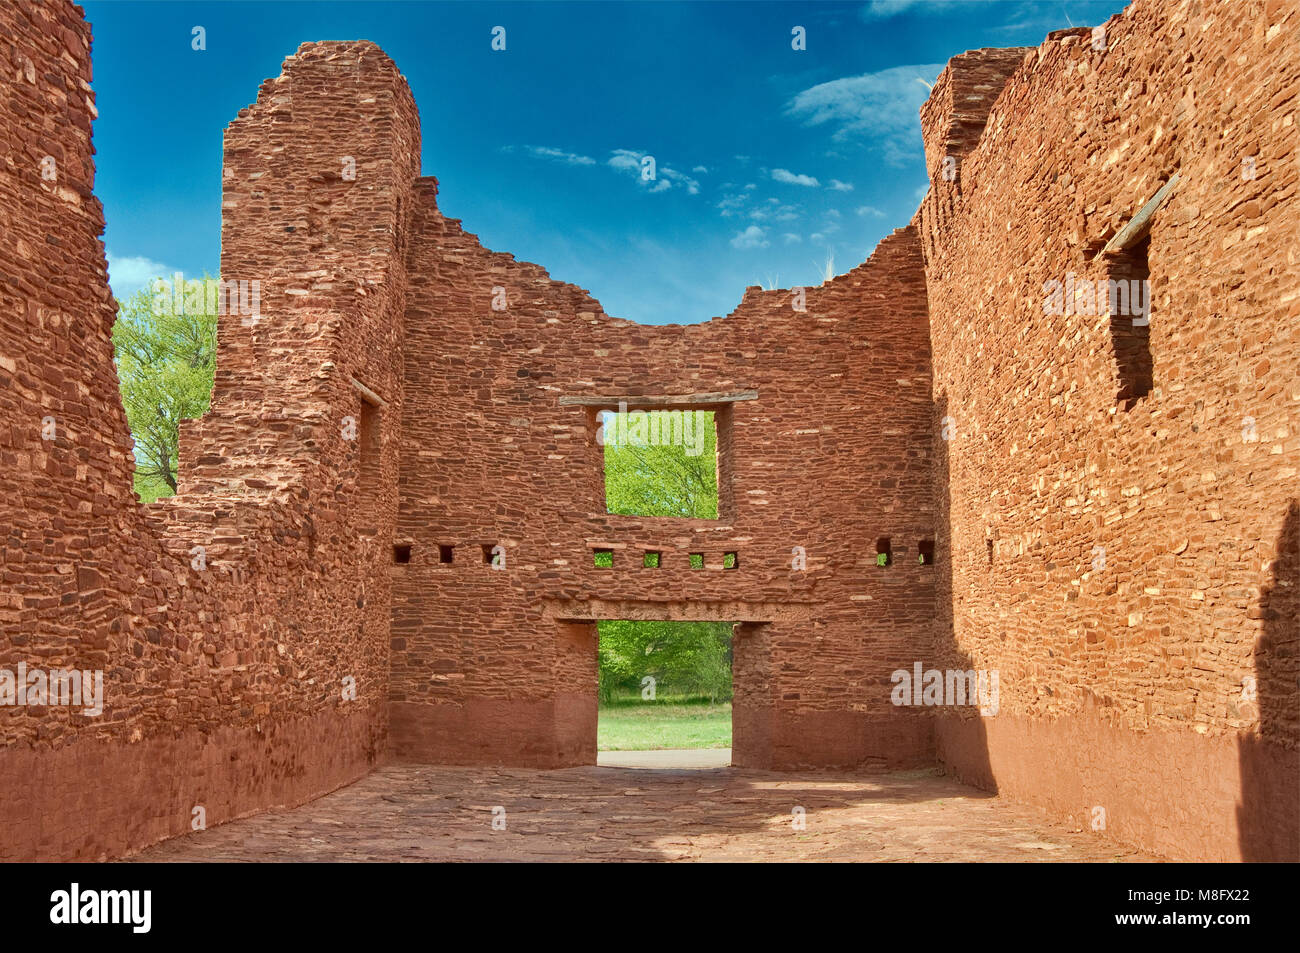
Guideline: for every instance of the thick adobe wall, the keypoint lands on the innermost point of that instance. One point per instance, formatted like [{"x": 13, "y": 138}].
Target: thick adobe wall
[
  {"x": 315, "y": 176},
  {"x": 222, "y": 674},
  {"x": 954, "y": 114},
  {"x": 499, "y": 449},
  {"x": 307, "y": 405},
  {"x": 1128, "y": 565}
]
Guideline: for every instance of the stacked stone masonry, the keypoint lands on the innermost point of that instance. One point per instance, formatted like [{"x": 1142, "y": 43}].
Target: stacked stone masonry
[{"x": 1127, "y": 560}]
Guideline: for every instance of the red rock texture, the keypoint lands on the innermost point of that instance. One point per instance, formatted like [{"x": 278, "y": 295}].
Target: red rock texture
[
  {"x": 492, "y": 665},
  {"x": 224, "y": 686},
  {"x": 1125, "y": 687},
  {"x": 922, "y": 396}
]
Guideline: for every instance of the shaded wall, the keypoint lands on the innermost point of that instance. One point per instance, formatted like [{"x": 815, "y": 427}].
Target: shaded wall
[{"x": 1128, "y": 685}]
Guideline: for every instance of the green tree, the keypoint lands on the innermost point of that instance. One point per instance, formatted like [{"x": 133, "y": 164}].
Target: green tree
[
  {"x": 684, "y": 658},
  {"x": 166, "y": 363},
  {"x": 670, "y": 470},
  {"x": 648, "y": 477}
]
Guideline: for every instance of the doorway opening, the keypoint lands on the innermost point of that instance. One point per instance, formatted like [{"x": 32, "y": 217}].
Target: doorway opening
[{"x": 665, "y": 692}]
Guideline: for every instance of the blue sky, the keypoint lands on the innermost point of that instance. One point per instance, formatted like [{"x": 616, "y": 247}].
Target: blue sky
[{"x": 769, "y": 160}]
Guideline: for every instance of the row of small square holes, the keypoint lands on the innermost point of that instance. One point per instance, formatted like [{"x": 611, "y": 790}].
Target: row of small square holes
[
  {"x": 885, "y": 554},
  {"x": 446, "y": 554},
  {"x": 651, "y": 559},
  {"x": 604, "y": 558}
]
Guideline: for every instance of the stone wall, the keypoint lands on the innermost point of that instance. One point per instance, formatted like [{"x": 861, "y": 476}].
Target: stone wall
[
  {"x": 1118, "y": 542},
  {"x": 224, "y": 667},
  {"x": 1129, "y": 566},
  {"x": 834, "y": 453}
]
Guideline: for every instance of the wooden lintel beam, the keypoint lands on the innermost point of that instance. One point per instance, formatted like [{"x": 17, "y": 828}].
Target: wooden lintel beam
[
  {"x": 669, "y": 400},
  {"x": 1140, "y": 224},
  {"x": 370, "y": 396}
]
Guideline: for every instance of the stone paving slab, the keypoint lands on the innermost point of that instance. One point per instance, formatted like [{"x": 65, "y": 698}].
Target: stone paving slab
[{"x": 417, "y": 812}]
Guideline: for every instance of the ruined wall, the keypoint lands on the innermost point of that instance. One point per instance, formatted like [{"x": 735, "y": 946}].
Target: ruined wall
[
  {"x": 1160, "y": 686},
  {"x": 222, "y": 684},
  {"x": 835, "y": 452},
  {"x": 377, "y": 401}
]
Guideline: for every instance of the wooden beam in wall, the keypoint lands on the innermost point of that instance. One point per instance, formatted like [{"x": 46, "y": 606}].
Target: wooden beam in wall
[
  {"x": 367, "y": 394},
  {"x": 669, "y": 400},
  {"x": 1140, "y": 224}
]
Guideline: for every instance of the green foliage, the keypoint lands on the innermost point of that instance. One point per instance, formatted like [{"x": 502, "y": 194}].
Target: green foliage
[
  {"x": 662, "y": 463},
  {"x": 166, "y": 363},
  {"x": 684, "y": 658}
]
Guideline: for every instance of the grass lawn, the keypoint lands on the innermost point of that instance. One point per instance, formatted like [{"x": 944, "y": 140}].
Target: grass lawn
[{"x": 630, "y": 724}]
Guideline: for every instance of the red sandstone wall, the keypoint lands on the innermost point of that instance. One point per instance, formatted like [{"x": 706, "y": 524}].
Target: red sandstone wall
[
  {"x": 1122, "y": 687},
  {"x": 222, "y": 686},
  {"x": 835, "y": 452}
]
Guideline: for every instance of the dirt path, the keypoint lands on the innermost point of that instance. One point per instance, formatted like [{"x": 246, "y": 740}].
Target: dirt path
[{"x": 675, "y": 758}]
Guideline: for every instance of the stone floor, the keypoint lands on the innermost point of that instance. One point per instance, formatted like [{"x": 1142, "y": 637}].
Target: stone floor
[{"x": 420, "y": 813}]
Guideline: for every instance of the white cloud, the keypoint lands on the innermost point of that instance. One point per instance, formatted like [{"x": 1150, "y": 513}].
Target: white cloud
[
  {"x": 127, "y": 274},
  {"x": 751, "y": 185},
  {"x": 681, "y": 179},
  {"x": 1032, "y": 16},
  {"x": 626, "y": 159},
  {"x": 838, "y": 186},
  {"x": 752, "y": 237},
  {"x": 791, "y": 238},
  {"x": 559, "y": 155},
  {"x": 882, "y": 106},
  {"x": 1033, "y": 20},
  {"x": 885, "y": 9},
  {"x": 870, "y": 210},
  {"x": 774, "y": 211},
  {"x": 790, "y": 178},
  {"x": 665, "y": 178},
  {"x": 730, "y": 204},
  {"x": 702, "y": 170}
]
